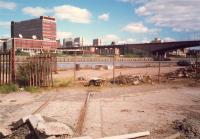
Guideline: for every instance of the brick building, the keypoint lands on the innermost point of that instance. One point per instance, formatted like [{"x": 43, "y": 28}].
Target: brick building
[{"x": 35, "y": 34}]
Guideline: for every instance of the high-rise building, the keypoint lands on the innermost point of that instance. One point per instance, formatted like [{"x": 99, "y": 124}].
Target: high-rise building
[
  {"x": 68, "y": 42},
  {"x": 77, "y": 41},
  {"x": 35, "y": 34},
  {"x": 96, "y": 42},
  {"x": 43, "y": 28}
]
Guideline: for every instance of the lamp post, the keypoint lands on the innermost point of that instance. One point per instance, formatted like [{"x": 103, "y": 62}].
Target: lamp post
[
  {"x": 159, "y": 67},
  {"x": 13, "y": 60},
  {"x": 76, "y": 46},
  {"x": 113, "y": 62}
]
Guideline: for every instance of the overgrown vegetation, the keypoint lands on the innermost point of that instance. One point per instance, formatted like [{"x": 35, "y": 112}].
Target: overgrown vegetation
[
  {"x": 135, "y": 55},
  {"x": 22, "y": 76},
  {"x": 8, "y": 88},
  {"x": 63, "y": 83},
  {"x": 32, "y": 89}
]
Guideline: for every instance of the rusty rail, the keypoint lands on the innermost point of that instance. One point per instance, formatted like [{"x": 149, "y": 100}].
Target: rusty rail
[
  {"x": 41, "y": 107},
  {"x": 81, "y": 119}
]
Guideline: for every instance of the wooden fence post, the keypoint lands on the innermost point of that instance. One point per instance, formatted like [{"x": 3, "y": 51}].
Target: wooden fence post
[{"x": 13, "y": 61}]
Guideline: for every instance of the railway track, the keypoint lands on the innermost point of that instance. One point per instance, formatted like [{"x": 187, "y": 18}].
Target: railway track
[
  {"x": 81, "y": 119},
  {"x": 82, "y": 115},
  {"x": 44, "y": 105}
]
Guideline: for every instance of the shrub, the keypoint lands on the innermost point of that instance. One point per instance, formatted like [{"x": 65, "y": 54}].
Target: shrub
[
  {"x": 32, "y": 89},
  {"x": 8, "y": 88},
  {"x": 22, "y": 76},
  {"x": 62, "y": 83}
]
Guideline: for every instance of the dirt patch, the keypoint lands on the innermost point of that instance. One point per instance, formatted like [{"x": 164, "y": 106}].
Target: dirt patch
[
  {"x": 112, "y": 110},
  {"x": 189, "y": 126}
]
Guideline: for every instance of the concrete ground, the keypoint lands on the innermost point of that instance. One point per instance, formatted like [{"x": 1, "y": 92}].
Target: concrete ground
[{"x": 111, "y": 111}]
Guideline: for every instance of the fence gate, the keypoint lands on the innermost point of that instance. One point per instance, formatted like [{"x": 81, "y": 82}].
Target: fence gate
[
  {"x": 40, "y": 70},
  {"x": 6, "y": 67}
]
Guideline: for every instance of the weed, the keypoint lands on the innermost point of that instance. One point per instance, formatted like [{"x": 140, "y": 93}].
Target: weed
[
  {"x": 63, "y": 83},
  {"x": 22, "y": 76},
  {"x": 9, "y": 88},
  {"x": 32, "y": 89}
]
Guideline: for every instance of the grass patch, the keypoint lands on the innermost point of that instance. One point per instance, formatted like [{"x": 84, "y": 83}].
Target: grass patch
[
  {"x": 63, "y": 83},
  {"x": 5, "y": 89},
  {"x": 32, "y": 89}
]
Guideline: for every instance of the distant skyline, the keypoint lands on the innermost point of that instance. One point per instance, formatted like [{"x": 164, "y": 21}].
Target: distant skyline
[{"x": 123, "y": 21}]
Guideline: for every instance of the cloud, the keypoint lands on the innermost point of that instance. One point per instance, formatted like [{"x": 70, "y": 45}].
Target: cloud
[
  {"x": 134, "y": 1},
  {"x": 130, "y": 40},
  {"x": 169, "y": 39},
  {"x": 35, "y": 11},
  {"x": 107, "y": 39},
  {"x": 145, "y": 40},
  {"x": 135, "y": 28},
  {"x": 7, "y": 5},
  {"x": 127, "y": 41},
  {"x": 72, "y": 14},
  {"x": 4, "y": 36},
  {"x": 104, "y": 17},
  {"x": 4, "y": 24},
  {"x": 139, "y": 27},
  {"x": 180, "y": 15},
  {"x": 62, "y": 35},
  {"x": 63, "y": 12}
]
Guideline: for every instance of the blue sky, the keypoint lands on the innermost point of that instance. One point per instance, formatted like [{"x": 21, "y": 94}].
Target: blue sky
[{"x": 123, "y": 21}]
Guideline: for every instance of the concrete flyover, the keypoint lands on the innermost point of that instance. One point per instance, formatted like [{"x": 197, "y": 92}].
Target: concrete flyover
[
  {"x": 150, "y": 48},
  {"x": 165, "y": 46},
  {"x": 156, "y": 47}
]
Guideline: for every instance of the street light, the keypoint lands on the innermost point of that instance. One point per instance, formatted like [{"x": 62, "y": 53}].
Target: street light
[
  {"x": 20, "y": 36},
  {"x": 76, "y": 46},
  {"x": 34, "y": 37}
]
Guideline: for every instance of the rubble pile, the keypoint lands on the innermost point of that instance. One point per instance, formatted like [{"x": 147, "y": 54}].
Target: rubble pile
[
  {"x": 97, "y": 82},
  {"x": 103, "y": 67},
  {"x": 36, "y": 126},
  {"x": 189, "y": 126},
  {"x": 187, "y": 72},
  {"x": 132, "y": 79}
]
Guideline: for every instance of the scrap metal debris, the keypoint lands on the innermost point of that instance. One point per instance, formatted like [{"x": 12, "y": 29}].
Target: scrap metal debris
[
  {"x": 132, "y": 79},
  {"x": 187, "y": 72},
  {"x": 96, "y": 81}
]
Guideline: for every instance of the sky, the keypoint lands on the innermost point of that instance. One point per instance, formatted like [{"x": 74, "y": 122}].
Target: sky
[{"x": 122, "y": 21}]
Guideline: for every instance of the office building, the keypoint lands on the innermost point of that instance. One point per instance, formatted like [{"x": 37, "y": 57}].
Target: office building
[
  {"x": 96, "y": 42},
  {"x": 35, "y": 34}
]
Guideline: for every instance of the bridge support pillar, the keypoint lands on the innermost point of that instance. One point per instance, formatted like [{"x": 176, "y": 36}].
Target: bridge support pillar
[
  {"x": 165, "y": 55},
  {"x": 116, "y": 51},
  {"x": 160, "y": 55}
]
